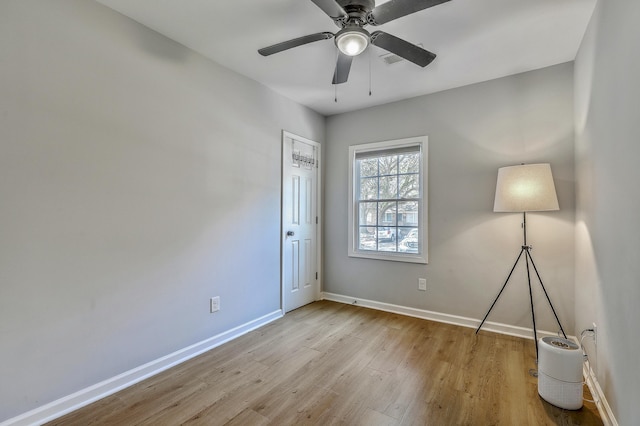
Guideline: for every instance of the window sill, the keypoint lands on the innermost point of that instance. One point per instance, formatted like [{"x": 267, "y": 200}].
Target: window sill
[{"x": 390, "y": 256}]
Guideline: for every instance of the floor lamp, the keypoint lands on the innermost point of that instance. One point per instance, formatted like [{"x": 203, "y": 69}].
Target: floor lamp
[{"x": 525, "y": 188}]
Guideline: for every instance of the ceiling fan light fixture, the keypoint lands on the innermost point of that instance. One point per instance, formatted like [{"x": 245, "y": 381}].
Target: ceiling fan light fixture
[{"x": 352, "y": 41}]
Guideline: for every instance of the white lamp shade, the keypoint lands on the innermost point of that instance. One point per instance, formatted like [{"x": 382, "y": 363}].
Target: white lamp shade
[{"x": 525, "y": 188}]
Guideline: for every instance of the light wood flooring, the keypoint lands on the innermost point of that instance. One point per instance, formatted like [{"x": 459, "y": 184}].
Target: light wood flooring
[{"x": 334, "y": 364}]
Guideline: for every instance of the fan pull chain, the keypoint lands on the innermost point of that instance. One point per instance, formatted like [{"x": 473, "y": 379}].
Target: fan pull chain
[
  {"x": 335, "y": 86},
  {"x": 369, "y": 71}
]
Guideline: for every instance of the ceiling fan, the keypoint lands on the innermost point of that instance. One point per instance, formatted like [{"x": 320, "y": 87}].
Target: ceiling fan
[{"x": 352, "y": 39}]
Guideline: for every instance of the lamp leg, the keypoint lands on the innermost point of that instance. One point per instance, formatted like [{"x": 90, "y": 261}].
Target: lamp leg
[
  {"x": 547, "y": 295},
  {"x": 501, "y": 290},
  {"x": 533, "y": 313}
]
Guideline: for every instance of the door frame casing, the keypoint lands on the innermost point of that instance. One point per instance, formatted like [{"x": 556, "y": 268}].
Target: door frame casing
[{"x": 318, "y": 147}]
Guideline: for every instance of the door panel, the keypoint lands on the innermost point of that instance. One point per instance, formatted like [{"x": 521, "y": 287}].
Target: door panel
[
  {"x": 295, "y": 200},
  {"x": 295, "y": 265}
]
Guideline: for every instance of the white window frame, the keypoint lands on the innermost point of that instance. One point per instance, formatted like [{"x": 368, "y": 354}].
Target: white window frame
[{"x": 353, "y": 225}]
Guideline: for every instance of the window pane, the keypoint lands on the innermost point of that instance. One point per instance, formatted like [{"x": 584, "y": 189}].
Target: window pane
[
  {"x": 403, "y": 231},
  {"x": 388, "y": 187},
  {"x": 408, "y": 213},
  {"x": 409, "y": 163},
  {"x": 388, "y": 165},
  {"x": 368, "y": 167},
  {"x": 388, "y": 217},
  {"x": 408, "y": 187},
  {"x": 369, "y": 188},
  {"x": 388, "y": 246},
  {"x": 387, "y": 213},
  {"x": 367, "y": 238},
  {"x": 387, "y": 238},
  {"x": 368, "y": 214},
  {"x": 410, "y": 242}
]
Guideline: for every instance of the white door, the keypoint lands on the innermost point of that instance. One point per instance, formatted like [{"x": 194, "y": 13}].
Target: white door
[{"x": 300, "y": 228}]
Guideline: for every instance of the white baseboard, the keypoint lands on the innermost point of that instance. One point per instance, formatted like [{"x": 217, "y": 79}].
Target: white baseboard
[
  {"x": 110, "y": 386},
  {"x": 598, "y": 396},
  {"x": 511, "y": 330}
]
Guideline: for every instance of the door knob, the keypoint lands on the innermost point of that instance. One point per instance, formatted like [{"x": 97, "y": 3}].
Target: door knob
[{"x": 290, "y": 233}]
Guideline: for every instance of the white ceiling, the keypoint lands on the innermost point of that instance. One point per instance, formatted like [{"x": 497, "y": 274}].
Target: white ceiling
[{"x": 475, "y": 40}]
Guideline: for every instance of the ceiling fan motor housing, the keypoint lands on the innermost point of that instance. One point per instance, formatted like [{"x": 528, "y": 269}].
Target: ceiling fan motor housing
[
  {"x": 357, "y": 12},
  {"x": 366, "y": 5}
]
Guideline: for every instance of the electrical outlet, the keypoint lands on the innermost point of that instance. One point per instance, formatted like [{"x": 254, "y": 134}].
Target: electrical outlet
[
  {"x": 422, "y": 284},
  {"x": 215, "y": 304},
  {"x": 595, "y": 334}
]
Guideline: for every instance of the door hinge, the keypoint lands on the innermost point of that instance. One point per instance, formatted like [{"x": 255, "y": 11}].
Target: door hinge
[
  {"x": 316, "y": 220},
  {"x": 316, "y": 275}
]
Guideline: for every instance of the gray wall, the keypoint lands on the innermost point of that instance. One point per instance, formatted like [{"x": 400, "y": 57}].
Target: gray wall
[
  {"x": 608, "y": 200},
  {"x": 472, "y": 132},
  {"x": 137, "y": 180}
]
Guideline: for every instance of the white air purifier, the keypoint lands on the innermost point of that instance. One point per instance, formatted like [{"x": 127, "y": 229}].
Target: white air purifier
[{"x": 560, "y": 372}]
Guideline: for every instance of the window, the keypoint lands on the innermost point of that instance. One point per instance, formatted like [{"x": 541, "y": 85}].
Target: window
[{"x": 387, "y": 192}]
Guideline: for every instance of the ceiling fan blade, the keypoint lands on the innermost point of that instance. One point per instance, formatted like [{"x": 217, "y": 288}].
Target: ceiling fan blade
[
  {"x": 404, "y": 49},
  {"x": 395, "y": 9},
  {"x": 343, "y": 66},
  {"x": 331, "y": 8},
  {"x": 266, "y": 51}
]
